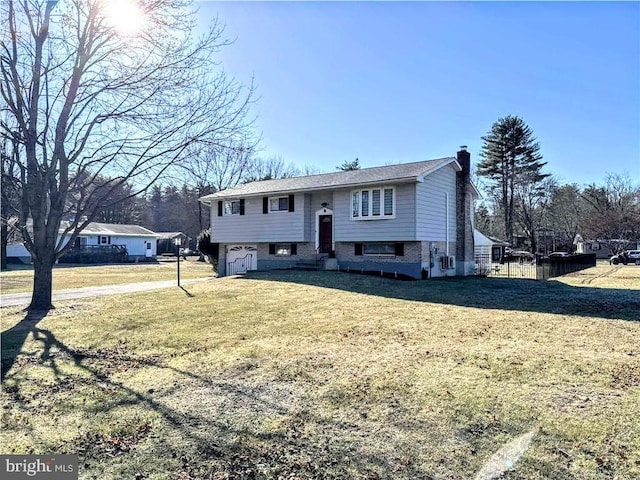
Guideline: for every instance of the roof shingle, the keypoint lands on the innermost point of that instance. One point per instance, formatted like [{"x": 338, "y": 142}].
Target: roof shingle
[{"x": 365, "y": 176}]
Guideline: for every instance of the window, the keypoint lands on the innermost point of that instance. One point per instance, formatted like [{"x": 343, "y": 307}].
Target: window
[
  {"x": 379, "y": 248},
  {"x": 104, "y": 240},
  {"x": 355, "y": 211},
  {"x": 232, "y": 207},
  {"x": 283, "y": 249},
  {"x": 373, "y": 203},
  {"x": 279, "y": 204},
  {"x": 388, "y": 201}
]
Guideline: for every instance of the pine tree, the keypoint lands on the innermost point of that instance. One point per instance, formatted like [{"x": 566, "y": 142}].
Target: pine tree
[
  {"x": 349, "y": 166},
  {"x": 511, "y": 157}
]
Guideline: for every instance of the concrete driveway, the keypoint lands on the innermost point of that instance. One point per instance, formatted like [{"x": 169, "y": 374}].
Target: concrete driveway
[{"x": 23, "y": 299}]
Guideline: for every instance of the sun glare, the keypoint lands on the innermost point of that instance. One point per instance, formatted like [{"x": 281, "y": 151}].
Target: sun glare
[{"x": 126, "y": 16}]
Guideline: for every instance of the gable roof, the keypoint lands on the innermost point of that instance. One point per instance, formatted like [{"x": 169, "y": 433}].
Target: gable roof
[
  {"x": 404, "y": 172},
  {"x": 169, "y": 235},
  {"x": 95, "y": 228}
]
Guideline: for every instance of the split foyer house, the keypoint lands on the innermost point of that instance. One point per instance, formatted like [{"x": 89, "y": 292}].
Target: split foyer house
[{"x": 414, "y": 219}]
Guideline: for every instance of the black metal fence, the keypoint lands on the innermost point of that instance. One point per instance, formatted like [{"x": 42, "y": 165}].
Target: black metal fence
[{"x": 534, "y": 269}]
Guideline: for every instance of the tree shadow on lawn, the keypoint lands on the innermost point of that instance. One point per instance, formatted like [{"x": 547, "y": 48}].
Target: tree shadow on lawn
[
  {"x": 478, "y": 292},
  {"x": 12, "y": 340},
  {"x": 217, "y": 436}
]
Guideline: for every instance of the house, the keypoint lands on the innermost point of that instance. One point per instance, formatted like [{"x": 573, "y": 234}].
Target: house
[
  {"x": 98, "y": 243},
  {"x": 488, "y": 248},
  {"x": 412, "y": 219},
  {"x": 604, "y": 248},
  {"x": 166, "y": 241}
]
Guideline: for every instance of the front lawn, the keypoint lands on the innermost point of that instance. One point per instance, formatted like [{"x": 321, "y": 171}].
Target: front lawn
[
  {"x": 332, "y": 375},
  {"x": 21, "y": 280}
]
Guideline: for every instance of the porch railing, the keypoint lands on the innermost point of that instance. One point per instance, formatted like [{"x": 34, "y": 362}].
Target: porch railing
[{"x": 96, "y": 254}]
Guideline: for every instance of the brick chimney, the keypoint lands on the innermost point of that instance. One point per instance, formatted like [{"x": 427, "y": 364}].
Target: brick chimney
[{"x": 465, "y": 264}]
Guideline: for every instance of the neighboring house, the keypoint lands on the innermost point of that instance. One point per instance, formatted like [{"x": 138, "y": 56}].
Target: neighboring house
[
  {"x": 413, "y": 219},
  {"x": 167, "y": 241},
  {"x": 605, "y": 248},
  {"x": 136, "y": 243},
  {"x": 486, "y": 247}
]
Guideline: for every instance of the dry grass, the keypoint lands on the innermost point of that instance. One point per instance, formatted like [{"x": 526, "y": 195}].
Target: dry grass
[
  {"x": 329, "y": 375},
  {"x": 604, "y": 275},
  {"x": 21, "y": 280}
]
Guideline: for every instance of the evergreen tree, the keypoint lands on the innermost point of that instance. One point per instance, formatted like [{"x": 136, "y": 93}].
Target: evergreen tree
[
  {"x": 348, "y": 166},
  {"x": 510, "y": 159}
]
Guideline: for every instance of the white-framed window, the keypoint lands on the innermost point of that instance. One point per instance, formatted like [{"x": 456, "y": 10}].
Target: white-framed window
[
  {"x": 231, "y": 207},
  {"x": 283, "y": 250},
  {"x": 104, "y": 240},
  {"x": 379, "y": 248},
  {"x": 279, "y": 204},
  {"x": 373, "y": 203}
]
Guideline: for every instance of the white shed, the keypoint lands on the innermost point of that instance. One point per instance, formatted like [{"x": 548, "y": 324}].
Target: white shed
[{"x": 488, "y": 247}]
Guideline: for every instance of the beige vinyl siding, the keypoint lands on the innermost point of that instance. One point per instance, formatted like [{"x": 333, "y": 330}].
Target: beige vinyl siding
[
  {"x": 431, "y": 208},
  {"x": 254, "y": 226},
  {"x": 402, "y": 227}
]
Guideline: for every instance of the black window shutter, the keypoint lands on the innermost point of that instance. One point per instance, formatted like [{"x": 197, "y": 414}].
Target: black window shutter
[
  {"x": 242, "y": 206},
  {"x": 272, "y": 249},
  {"x": 109, "y": 240},
  {"x": 294, "y": 249},
  {"x": 399, "y": 249},
  {"x": 219, "y": 208},
  {"x": 291, "y": 203},
  {"x": 265, "y": 204},
  {"x": 357, "y": 249}
]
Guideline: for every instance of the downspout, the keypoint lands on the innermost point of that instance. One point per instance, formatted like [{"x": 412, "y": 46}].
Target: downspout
[{"x": 446, "y": 222}]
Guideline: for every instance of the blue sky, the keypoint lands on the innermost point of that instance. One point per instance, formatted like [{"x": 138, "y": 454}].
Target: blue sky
[{"x": 391, "y": 82}]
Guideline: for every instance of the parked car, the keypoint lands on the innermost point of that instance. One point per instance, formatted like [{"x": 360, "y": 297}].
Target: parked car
[
  {"x": 628, "y": 256},
  {"x": 559, "y": 255},
  {"x": 518, "y": 256}
]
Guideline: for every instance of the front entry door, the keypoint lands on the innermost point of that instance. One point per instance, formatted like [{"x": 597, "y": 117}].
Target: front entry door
[{"x": 325, "y": 233}]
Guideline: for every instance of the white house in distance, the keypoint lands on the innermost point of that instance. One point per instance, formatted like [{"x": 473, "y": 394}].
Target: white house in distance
[
  {"x": 413, "y": 219},
  {"x": 139, "y": 242},
  {"x": 488, "y": 247}
]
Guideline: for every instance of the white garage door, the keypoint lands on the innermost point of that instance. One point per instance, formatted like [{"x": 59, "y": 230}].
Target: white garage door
[{"x": 241, "y": 258}]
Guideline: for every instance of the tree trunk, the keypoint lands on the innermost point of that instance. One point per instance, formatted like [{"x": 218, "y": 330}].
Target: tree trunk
[
  {"x": 534, "y": 244},
  {"x": 42, "y": 285}
]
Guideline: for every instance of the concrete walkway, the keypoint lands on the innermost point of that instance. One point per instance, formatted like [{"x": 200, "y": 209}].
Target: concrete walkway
[{"x": 23, "y": 299}]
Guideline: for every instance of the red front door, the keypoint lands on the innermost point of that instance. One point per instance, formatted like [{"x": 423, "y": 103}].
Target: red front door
[{"x": 325, "y": 233}]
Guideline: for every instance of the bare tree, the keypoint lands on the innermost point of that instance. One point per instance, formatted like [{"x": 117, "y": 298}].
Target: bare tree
[
  {"x": 217, "y": 167},
  {"x": 531, "y": 199},
  {"x": 9, "y": 197},
  {"x": 613, "y": 212},
  {"x": 87, "y": 99},
  {"x": 270, "y": 169},
  {"x": 566, "y": 211}
]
